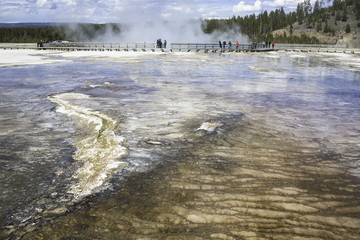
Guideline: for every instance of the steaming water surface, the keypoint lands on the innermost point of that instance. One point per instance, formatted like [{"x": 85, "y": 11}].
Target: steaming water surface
[{"x": 181, "y": 146}]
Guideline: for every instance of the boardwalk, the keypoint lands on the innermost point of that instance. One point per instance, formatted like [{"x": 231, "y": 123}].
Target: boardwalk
[
  {"x": 328, "y": 48},
  {"x": 180, "y": 47},
  {"x": 135, "y": 47}
]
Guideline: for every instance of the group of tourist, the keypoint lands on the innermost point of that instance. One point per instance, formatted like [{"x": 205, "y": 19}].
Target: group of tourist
[
  {"x": 264, "y": 44},
  {"x": 223, "y": 44},
  {"x": 269, "y": 44},
  {"x": 40, "y": 43},
  {"x": 160, "y": 44}
]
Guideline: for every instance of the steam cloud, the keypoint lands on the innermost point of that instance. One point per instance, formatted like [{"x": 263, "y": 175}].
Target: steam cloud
[
  {"x": 149, "y": 31},
  {"x": 177, "y": 31}
]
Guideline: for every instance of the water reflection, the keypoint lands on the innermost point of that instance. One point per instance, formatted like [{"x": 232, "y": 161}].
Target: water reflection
[{"x": 241, "y": 146}]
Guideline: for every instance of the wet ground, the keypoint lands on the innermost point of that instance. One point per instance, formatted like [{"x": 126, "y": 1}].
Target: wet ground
[{"x": 229, "y": 146}]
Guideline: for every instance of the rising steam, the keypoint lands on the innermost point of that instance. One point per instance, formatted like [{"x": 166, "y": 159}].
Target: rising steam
[{"x": 151, "y": 30}]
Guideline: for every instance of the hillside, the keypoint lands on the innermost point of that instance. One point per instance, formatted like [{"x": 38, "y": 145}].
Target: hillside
[
  {"x": 337, "y": 35},
  {"x": 315, "y": 22}
]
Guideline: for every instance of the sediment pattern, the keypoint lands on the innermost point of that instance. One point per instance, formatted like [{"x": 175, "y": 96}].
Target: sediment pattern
[
  {"x": 243, "y": 146},
  {"x": 240, "y": 181},
  {"x": 98, "y": 151}
]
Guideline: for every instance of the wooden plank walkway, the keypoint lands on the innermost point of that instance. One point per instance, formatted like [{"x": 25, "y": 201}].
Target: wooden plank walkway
[
  {"x": 215, "y": 47},
  {"x": 325, "y": 48},
  {"x": 179, "y": 47},
  {"x": 136, "y": 46}
]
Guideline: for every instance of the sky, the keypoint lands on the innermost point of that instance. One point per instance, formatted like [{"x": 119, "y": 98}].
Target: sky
[{"x": 118, "y": 11}]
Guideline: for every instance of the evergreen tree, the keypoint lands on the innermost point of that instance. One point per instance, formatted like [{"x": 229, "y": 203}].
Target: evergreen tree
[
  {"x": 319, "y": 27},
  {"x": 300, "y": 12},
  {"x": 357, "y": 9},
  {"x": 338, "y": 16},
  {"x": 344, "y": 15},
  {"x": 347, "y": 29},
  {"x": 316, "y": 10},
  {"x": 307, "y": 8},
  {"x": 326, "y": 28},
  {"x": 337, "y": 5}
]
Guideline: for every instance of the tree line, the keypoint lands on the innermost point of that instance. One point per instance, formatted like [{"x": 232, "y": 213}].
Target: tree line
[
  {"x": 259, "y": 27},
  {"x": 71, "y": 32}
]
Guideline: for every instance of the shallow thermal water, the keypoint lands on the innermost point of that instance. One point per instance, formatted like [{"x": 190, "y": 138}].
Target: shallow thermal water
[{"x": 109, "y": 145}]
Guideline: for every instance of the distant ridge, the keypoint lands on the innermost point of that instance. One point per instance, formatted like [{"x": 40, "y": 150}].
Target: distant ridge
[
  {"x": 35, "y": 24},
  {"x": 52, "y": 31}
]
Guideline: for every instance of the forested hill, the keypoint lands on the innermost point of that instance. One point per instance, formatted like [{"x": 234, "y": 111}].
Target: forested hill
[
  {"x": 317, "y": 22},
  {"x": 310, "y": 23}
]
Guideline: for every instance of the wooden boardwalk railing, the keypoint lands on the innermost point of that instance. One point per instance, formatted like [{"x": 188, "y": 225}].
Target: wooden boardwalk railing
[
  {"x": 180, "y": 47},
  {"x": 101, "y": 46},
  {"x": 329, "y": 48},
  {"x": 143, "y": 46},
  {"x": 213, "y": 47}
]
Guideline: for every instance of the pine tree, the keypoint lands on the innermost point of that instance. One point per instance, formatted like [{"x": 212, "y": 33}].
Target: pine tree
[
  {"x": 344, "y": 15},
  {"x": 326, "y": 28},
  {"x": 300, "y": 12},
  {"x": 319, "y": 27},
  {"x": 357, "y": 9},
  {"x": 347, "y": 29}
]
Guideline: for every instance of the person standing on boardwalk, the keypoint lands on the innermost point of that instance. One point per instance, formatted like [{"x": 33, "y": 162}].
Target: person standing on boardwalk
[
  {"x": 159, "y": 43},
  {"x": 165, "y": 43},
  {"x": 224, "y": 44},
  {"x": 273, "y": 45},
  {"x": 237, "y": 44},
  {"x": 220, "y": 45}
]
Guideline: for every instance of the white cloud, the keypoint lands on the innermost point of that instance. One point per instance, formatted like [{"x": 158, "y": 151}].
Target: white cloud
[
  {"x": 49, "y": 4},
  {"x": 131, "y": 10},
  {"x": 215, "y": 11},
  {"x": 275, "y": 3},
  {"x": 242, "y": 7},
  {"x": 176, "y": 9},
  {"x": 41, "y": 3},
  {"x": 107, "y": 10},
  {"x": 166, "y": 15},
  {"x": 282, "y": 3}
]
